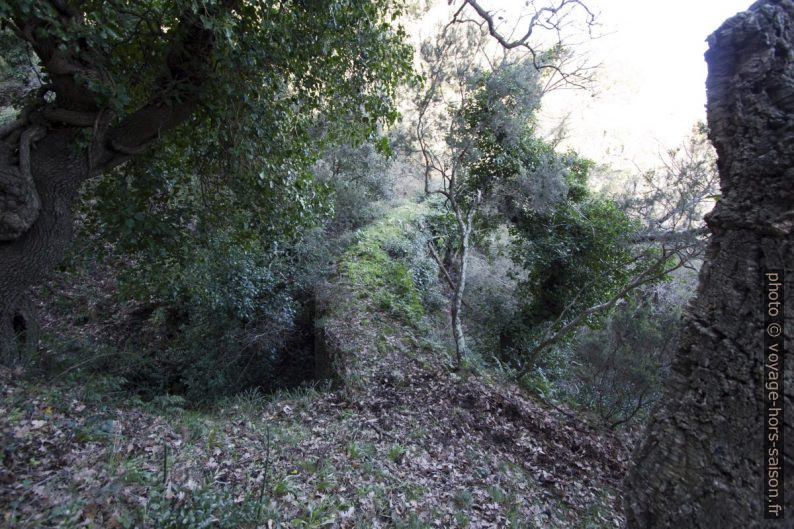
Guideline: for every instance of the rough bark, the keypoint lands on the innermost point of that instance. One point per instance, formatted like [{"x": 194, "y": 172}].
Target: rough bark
[
  {"x": 700, "y": 464},
  {"x": 42, "y": 162},
  {"x": 57, "y": 172}
]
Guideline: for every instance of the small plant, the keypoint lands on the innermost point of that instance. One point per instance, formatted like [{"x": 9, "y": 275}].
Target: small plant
[
  {"x": 538, "y": 383},
  {"x": 171, "y": 404},
  {"x": 355, "y": 450},
  {"x": 315, "y": 515},
  {"x": 250, "y": 401},
  {"x": 397, "y": 453},
  {"x": 464, "y": 499},
  {"x": 132, "y": 472},
  {"x": 461, "y": 520},
  {"x": 179, "y": 507},
  {"x": 412, "y": 522},
  {"x": 497, "y": 494},
  {"x": 284, "y": 486},
  {"x": 326, "y": 483}
]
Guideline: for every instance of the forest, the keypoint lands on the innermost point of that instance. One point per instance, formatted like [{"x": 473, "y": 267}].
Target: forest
[{"x": 331, "y": 263}]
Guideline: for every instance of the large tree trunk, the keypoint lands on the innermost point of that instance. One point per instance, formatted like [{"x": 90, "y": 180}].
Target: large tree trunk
[
  {"x": 43, "y": 161},
  {"x": 57, "y": 170},
  {"x": 701, "y": 462}
]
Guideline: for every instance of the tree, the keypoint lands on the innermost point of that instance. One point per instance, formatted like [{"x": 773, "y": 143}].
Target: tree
[
  {"x": 702, "y": 460},
  {"x": 118, "y": 77},
  {"x": 614, "y": 245},
  {"x": 589, "y": 252},
  {"x": 487, "y": 136},
  {"x": 576, "y": 257},
  {"x": 474, "y": 123}
]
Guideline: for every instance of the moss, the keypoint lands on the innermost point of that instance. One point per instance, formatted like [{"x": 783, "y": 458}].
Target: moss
[{"x": 380, "y": 272}]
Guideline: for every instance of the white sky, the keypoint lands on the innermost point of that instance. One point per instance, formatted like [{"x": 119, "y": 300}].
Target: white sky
[{"x": 650, "y": 89}]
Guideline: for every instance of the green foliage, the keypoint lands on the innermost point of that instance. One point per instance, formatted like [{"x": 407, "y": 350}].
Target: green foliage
[
  {"x": 618, "y": 370},
  {"x": 538, "y": 383},
  {"x": 202, "y": 507},
  {"x": 396, "y": 452},
  {"x": 495, "y": 126},
  {"x": 338, "y": 57},
  {"x": 228, "y": 276},
  {"x": 358, "y": 179},
  {"x": 15, "y": 65},
  {"x": 573, "y": 256},
  {"x": 390, "y": 262},
  {"x": 215, "y": 230}
]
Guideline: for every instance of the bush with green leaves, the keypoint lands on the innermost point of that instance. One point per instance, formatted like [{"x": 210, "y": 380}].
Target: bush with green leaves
[
  {"x": 617, "y": 371},
  {"x": 573, "y": 257},
  {"x": 227, "y": 280},
  {"x": 573, "y": 253},
  {"x": 359, "y": 179}
]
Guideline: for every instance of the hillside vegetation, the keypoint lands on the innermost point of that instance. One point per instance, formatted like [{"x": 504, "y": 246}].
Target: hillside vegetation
[
  {"x": 401, "y": 442},
  {"x": 289, "y": 264}
]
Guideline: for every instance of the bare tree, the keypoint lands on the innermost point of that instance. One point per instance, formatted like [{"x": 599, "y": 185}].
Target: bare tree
[{"x": 545, "y": 31}]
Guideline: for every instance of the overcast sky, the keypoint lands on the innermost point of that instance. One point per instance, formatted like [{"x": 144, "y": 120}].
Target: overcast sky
[
  {"x": 650, "y": 88},
  {"x": 651, "y": 85}
]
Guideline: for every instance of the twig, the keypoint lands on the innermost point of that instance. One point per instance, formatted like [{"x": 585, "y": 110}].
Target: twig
[
  {"x": 264, "y": 478},
  {"x": 165, "y": 463}
]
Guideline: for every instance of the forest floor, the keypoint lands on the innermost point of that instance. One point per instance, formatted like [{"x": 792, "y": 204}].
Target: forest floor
[{"x": 404, "y": 442}]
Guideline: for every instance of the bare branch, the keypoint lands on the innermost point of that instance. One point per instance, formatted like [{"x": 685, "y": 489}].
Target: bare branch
[{"x": 550, "y": 19}]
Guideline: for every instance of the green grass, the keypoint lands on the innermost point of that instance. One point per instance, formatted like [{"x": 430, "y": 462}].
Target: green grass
[{"x": 376, "y": 264}]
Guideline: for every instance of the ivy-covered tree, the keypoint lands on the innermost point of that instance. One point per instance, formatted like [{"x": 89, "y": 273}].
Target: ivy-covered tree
[
  {"x": 589, "y": 251},
  {"x": 254, "y": 88}
]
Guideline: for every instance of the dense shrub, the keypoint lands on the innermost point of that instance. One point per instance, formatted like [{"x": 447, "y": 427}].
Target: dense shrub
[
  {"x": 224, "y": 294},
  {"x": 568, "y": 253},
  {"x": 359, "y": 178},
  {"x": 617, "y": 371}
]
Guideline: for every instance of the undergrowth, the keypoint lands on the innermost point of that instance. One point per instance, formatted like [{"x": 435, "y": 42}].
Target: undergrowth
[{"x": 388, "y": 263}]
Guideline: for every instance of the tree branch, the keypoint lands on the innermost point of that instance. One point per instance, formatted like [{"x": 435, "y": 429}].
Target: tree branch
[
  {"x": 550, "y": 18},
  {"x": 645, "y": 277}
]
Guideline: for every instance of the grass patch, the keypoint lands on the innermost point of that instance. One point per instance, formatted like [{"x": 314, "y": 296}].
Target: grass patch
[{"x": 381, "y": 264}]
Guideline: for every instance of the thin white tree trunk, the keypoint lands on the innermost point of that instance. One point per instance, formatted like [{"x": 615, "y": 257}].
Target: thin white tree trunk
[{"x": 457, "y": 301}]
